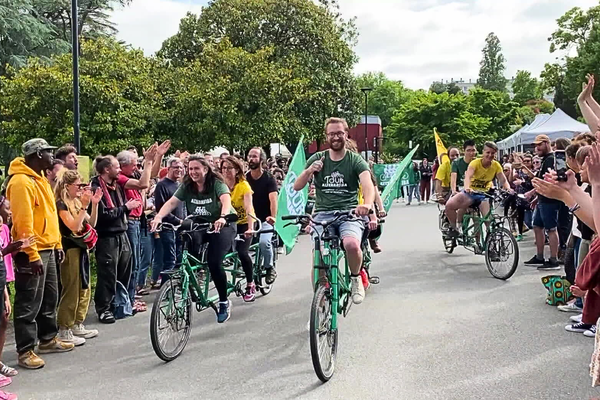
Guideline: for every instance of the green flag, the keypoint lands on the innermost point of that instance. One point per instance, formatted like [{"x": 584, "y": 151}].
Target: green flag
[
  {"x": 290, "y": 201},
  {"x": 393, "y": 186}
]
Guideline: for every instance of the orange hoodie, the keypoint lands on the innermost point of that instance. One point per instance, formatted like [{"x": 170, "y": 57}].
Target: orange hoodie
[{"x": 33, "y": 207}]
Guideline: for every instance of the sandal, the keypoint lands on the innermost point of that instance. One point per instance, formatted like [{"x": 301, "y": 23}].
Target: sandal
[
  {"x": 143, "y": 291},
  {"x": 5, "y": 381},
  {"x": 8, "y": 396},
  {"x": 140, "y": 306},
  {"x": 7, "y": 371}
]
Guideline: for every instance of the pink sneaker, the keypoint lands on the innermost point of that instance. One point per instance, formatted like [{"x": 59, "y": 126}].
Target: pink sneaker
[
  {"x": 250, "y": 294},
  {"x": 4, "y": 381},
  {"x": 8, "y": 396}
]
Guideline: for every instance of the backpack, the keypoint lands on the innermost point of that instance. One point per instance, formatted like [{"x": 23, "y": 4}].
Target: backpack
[
  {"x": 559, "y": 292},
  {"x": 122, "y": 303}
]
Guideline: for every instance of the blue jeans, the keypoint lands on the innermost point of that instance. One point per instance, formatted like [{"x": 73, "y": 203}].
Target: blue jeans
[
  {"x": 546, "y": 215},
  {"x": 133, "y": 233},
  {"x": 413, "y": 190},
  {"x": 171, "y": 250},
  {"x": 266, "y": 248},
  {"x": 529, "y": 217},
  {"x": 147, "y": 250}
]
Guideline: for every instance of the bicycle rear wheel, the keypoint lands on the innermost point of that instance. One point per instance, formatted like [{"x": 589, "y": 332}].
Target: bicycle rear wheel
[
  {"x": 323, "y": 340},
  {"x": 501, "y": 253},
  {"x": 170, "y": 321}
]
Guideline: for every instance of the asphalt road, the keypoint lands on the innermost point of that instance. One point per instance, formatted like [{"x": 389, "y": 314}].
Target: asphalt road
[{"x": 437, "y": 327}]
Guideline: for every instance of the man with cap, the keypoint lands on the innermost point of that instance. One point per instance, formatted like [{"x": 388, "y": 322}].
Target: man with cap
[
  {"x": 36, "y": 284},
  {"x": 545, "y": 216}
]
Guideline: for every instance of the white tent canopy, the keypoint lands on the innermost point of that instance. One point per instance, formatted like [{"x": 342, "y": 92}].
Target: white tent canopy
[{"x": 555, "y": 126}]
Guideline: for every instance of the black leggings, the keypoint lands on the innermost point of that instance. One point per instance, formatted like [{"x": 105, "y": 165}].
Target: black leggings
[
  {"x": 242, "y": 250},
  {"x": 512, "y": 202},
  {"x": 219, "y": 244}
]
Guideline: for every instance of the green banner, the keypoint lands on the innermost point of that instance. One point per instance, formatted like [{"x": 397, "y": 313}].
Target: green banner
[
  {"x": 393, "y": 186},
  {"x": 384, "y": 173},
  {"x": 290, "y": 201}
]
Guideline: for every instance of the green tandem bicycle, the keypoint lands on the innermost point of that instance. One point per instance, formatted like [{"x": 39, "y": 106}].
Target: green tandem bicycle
[
  {"x": 189, "y": 284},
  {"x": 332, "y": 294}
]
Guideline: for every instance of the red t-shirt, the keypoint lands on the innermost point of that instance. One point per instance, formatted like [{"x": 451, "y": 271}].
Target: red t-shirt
[{"x": 131, "y": 194}]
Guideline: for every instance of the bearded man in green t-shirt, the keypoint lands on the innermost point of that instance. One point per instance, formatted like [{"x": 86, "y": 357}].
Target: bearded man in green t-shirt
[{"x": 338, "y": 176}]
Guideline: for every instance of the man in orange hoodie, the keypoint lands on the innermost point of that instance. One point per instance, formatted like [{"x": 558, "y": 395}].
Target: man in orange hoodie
[{"x": 36, "y": 284}]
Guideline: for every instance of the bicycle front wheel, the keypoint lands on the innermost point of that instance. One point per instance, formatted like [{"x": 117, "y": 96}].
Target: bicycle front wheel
[
  {"x": 501, "y": 253},
  {"x": 170, "y": 321},
  {"x": 323, "y": 339}
]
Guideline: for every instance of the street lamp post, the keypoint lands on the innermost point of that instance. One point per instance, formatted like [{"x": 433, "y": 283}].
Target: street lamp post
[
  {"x": 75, "y": 45},
  {"x": 366, "y": 91}
]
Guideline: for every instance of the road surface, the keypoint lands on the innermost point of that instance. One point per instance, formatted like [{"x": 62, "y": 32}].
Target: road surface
[{"x": 437, "y": 327}]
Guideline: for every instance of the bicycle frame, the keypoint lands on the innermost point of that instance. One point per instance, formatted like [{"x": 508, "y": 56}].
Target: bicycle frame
[
  {"x": 328, "y": 260},
  {"x": 477, "y": 225}
]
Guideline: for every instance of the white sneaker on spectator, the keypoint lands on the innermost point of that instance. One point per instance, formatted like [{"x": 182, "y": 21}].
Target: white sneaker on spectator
[
  {"x": 66, "y": 335},
  {"x": 579, "y": 327},
  {"x": 590, "y": 332},
  {"x": 576, "y": 318},
  {"x": 79, "y": 330},
  {"x": 570, "y": 307}
]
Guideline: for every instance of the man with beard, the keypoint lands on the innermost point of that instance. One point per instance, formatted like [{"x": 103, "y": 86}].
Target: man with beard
[
  {"x": 337, "y": 174},
  {"x": 68, "y": 155},
  {"x": 264, "y": 201},
  {"x": 36, "y": 286},
  {"x": 113, "y": 251},
  {"x": 171, "y": 242}
]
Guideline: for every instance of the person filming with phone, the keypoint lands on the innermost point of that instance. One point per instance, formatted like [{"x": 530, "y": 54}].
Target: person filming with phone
[{"x": 545, "y": 217}]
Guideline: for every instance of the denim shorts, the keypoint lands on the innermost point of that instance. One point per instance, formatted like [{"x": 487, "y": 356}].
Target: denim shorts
[
  {"x": 546, "y": 215},
  {"x": 476, "y": 198},
  {"x": 345, "y": 229}
]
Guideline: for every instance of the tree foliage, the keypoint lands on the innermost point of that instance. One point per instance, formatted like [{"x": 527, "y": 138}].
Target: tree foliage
[
  {"x": 441, "y": 87},
  {"x": 491, "y": 72},
  {"x": 386, "y": 97},
  {"x": 525, "y": 88},
  {"x": 309, "y": 39}
]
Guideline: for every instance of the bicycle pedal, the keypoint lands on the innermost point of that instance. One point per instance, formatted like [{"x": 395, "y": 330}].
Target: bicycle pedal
[{"x": 374, "y": 280}]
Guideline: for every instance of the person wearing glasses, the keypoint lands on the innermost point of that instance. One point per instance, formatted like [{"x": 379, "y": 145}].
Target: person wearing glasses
[{"x": 337, "y": 174}]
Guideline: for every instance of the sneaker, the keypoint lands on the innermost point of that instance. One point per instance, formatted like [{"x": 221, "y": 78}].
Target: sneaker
[
  {"x": 55, "y": 346},
  {"x": 579, "y": 327},
  {"x": 374, "y": 246},
  {"x": 576, "y": 318},
  {"x": 358, "y": 290},
  {"x": 66, "y": 336},
  {"x": 106, "y": 318},
  {"x": 549, "y": 266},
  {"x": 30, "y": 360},
  {"x": 224, "y": 312},
  {"x": 570, "y": 307},
  {"x": 280, "y": 251},
  {"x": 7, "y": 371},
  {"x": 519, "y": 238},
  {"x": 452, "y": 233},
  {"x": 590, "y": 332},
  {"x": 250, "y": 294},
  {"x": 271, "y": 276},
  {"x": 8, "y": 396},
  {"x": 535, "y": 261},
  {"x": 79, "y": 330}
]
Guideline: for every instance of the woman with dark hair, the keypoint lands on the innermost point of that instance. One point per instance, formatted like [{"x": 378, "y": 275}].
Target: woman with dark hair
[
  {"x": 241, "y": 199},
  {"x": 206, "y": 195}
]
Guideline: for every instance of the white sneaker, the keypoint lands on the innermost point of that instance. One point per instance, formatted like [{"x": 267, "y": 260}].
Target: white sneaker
[
  {"x": 358, "y": 291},
  {"x": 79, "y": 330},
  {"x": 66, "y": 335},
  {"x": 576, "y": 318},
  {"x": 570, "y": 307},
  {"x": 590, "y": 332}
]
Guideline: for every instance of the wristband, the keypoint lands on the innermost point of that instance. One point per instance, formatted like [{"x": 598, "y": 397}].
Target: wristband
[{"x": 573, "y": 209}]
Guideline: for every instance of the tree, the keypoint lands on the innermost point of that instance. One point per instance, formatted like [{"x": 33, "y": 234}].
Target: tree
[
  {"x": 119, "y": 99},
  {"x": 525, "y": 88},
  {"x": 451, "y": 115},
  {"x": 23, "y": 35},
  {"x": 310, "y": 39},
  {"x": 491, "y": 72},
  {"x": 441, "y": 87},
  {"x": 497, "y": 108},
  {"x": 386, "y": 97}
]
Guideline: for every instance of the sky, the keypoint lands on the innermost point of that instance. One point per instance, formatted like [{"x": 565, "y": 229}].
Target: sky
[{"x": 415, "y": 41}]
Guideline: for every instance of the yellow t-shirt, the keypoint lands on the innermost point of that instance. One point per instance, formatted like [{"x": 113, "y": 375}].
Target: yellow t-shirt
[
  {"x": 482, "y": 177},
  {"x": 237, "y": 200},
  {"x": 443, "y": 173}
]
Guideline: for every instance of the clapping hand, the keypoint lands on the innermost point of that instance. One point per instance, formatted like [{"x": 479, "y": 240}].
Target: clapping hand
[
  {"x": 568, "y": 185},
  {"x": 587, "y": 88},
  {"x": 550, "y": 189},
  {"x": 150, "y": 154},
  {"x": 592, "y": 162},
  {"x": 97, "y": 196}
]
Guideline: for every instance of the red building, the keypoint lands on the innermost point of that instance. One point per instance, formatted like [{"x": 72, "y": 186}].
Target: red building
[{"x": 357, "y": 134}]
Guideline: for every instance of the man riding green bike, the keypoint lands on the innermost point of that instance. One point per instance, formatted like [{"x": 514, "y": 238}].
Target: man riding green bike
[
  {"x": 337, "y": 174},
  {"x": 478, "y": 178}
]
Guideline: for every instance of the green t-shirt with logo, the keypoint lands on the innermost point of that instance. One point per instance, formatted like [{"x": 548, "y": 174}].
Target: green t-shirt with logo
[
  {"x": 338, "y": 182},
  {"x": 460, "y": 166},
  {"x": 206, "y": 205}
]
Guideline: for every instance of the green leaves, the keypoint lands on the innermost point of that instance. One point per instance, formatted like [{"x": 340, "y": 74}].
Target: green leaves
[
  {"x": 491, "y": 73},
  {"x": 526, "y": 88}
]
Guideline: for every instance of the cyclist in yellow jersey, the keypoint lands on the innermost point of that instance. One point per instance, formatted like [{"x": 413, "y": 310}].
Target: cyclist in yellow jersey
[{"x": 479, "y": 177}]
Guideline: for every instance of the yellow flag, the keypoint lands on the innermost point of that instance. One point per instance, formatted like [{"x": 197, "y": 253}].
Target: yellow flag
[{"x": 439, "y": 145}]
